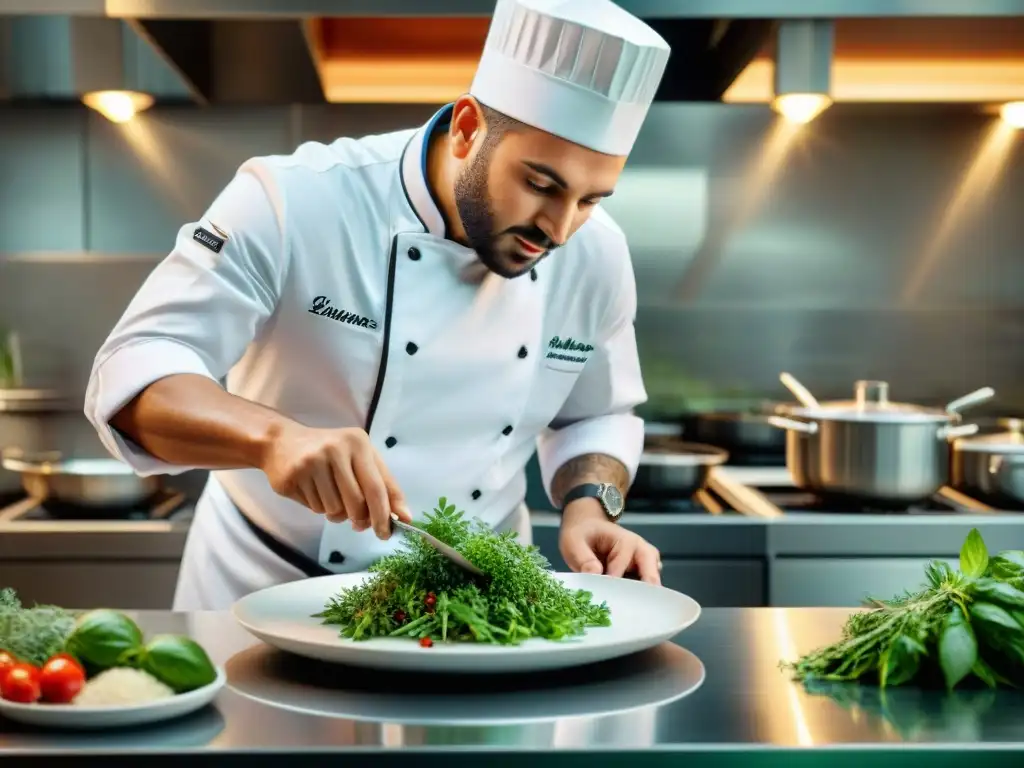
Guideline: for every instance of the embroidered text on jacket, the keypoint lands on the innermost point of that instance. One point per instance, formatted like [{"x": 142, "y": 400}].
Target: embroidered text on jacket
[
  {"x": 322, "y": 306},
  {"x": 557, "y": 348}
]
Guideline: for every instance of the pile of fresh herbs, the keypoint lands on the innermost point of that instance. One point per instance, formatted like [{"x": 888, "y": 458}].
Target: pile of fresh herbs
[
  {"x": 32, "y": 634},
  {"x": 418, "y": 593},
  {"x": 964, "y": 624}
]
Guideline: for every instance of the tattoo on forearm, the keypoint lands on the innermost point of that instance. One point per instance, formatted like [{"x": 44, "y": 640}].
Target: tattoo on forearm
[{"x": 589, "y": 468}]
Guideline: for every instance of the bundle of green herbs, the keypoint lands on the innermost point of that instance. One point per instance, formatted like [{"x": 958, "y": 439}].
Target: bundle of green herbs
[
  {"x": 963, "y": 625},
  {"x": 34, "y": 633},
  {"x": 418, "y": 593}
]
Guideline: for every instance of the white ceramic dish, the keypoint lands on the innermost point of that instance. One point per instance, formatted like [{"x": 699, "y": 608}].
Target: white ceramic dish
[
  {"x": 69, "y": 716},
  {"x": 642, "y": 616}
]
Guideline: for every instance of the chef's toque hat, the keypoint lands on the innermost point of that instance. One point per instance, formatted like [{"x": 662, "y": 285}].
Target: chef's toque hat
[{"x": 584, "y": 70}]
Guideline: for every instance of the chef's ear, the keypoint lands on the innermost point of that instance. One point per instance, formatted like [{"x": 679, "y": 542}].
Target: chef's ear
[{"x": 467, "y": 126}]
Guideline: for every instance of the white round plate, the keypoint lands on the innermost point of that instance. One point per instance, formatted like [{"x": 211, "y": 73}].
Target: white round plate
[
  {"x": 642, "y": 616},
  {"x": 74, "y": 717}
]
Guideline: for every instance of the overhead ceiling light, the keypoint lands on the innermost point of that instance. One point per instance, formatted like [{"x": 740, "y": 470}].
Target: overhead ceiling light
[
  {"x": 1013, "y": 113},
  {"x": 803, "y": 69},
  {"x": 118, "y": 106}
]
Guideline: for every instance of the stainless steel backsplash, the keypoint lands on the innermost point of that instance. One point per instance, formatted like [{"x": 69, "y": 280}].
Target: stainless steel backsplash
[{"x": 754, "y": 252}]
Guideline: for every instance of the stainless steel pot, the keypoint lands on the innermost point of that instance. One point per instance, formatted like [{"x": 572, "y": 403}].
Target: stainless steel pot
[
  {"x": 36, "y": 420},
  {"x": 991, "y": 465},
  {"x": 93, "y": 483},
  {"x": 673, "y": 469},
  {"x": 871, "y": 449},
  {"x": 743, "y": 431}
]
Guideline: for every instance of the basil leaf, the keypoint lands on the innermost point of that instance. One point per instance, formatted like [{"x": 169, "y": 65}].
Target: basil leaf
[
  {"x": 178, "y": 661},
  {"x": 993, "y": 615},
  {"x": 900, "y": 663},
  {"x": 1012, "y": 556},
  {"x": 974, "y": 555},
  {"x": 958, "y": 648},
  {"x": 1007, "y": 566},
  {"x": 102, "y": 637},
  {"x": 985, "y": 673},
  {"x": 995, "y": 591}
]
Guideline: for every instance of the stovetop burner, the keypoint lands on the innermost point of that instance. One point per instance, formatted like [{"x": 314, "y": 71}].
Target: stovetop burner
[
  {"x": 746, "y": 459},
  {"x": 703, "y": 502},
  {"x": 161, "y": 506},
  {"x": 794, "y": 500}
]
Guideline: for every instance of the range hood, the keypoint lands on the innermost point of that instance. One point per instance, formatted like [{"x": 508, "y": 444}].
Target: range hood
[{"x": 408, "y": 51}]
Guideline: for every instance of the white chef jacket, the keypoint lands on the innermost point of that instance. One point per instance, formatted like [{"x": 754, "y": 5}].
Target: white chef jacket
[{"x": 321, "y": 285}]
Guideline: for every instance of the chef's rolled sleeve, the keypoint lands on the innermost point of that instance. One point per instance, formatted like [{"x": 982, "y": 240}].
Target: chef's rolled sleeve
[
  {"x": 198, "y": 310},
  {"x": 598, "y": 415}
]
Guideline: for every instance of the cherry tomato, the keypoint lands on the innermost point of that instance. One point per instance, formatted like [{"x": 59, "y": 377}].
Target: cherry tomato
[
  {"x": 61, "y": 680},
  {"x": 21, "y": 684},
  {"x": 400, "y": 617},
  {"x": 7, "y": 660},
  {"x": 71, "y": 659},
  {"x": 426, "y": 642}
]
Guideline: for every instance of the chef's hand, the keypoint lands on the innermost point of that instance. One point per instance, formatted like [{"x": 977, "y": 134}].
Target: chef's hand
[
  {"x": 337, "y": 473},
  {"x": 591, "y": 543}
]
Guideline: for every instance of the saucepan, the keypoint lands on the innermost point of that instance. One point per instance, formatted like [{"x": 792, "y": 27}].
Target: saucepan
[
  {"x": 745, "y": 431},
  {"x": 106, "y": 483},
  {"x": 991, "y": 465},
  {"x": 671, "y": 468},
  {"x": 874, "y": 450}
]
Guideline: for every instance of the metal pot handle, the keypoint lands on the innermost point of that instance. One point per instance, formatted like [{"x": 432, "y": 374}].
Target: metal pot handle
[
  {"x": 20, "y": 460},
  {"x": 1009, "y": 462},
  {"x": 806, "y": 427},
  {"x": 949, "y": 432},
  {"x": 973, "y": 398},
  {"x": 800, "y": 392}
]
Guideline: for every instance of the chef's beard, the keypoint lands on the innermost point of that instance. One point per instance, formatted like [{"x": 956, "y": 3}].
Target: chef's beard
[{"x": 474, "y": 207}]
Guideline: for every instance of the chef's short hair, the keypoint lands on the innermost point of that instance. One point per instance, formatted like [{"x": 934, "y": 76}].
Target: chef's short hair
[{"x": 498, "y": 124}]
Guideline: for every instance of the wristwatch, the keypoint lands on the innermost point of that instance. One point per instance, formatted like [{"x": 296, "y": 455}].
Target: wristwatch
[{"x": 606, "y": 493}]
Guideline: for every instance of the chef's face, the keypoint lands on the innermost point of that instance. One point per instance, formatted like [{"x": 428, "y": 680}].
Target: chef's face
[{"x": 521, "y": 192}]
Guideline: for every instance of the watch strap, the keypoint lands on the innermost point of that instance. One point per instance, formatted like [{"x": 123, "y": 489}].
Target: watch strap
[{"x": 592, "y": 490}]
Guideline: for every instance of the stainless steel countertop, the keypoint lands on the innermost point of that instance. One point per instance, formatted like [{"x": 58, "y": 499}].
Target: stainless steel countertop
[{"x": 716, "y": 690}]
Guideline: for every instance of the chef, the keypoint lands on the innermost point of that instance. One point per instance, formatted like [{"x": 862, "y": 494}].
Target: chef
[{"x": 356, "y": 329}]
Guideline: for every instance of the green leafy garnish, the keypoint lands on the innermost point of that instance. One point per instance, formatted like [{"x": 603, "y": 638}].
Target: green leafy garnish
[
  {"x": 32, "y": 634},
  {"x": 419, "y": 593},
  {"x": 964, "y": 624}
]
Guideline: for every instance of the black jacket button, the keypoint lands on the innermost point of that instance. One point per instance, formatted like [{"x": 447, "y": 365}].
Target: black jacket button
[
  {"x": 336, "y": 557},
  {"x": 533, "y": 275},
  {"x": 475, "y": 495},
  {"x": 522, "y": 352},
  {"x": 391, "y": 442},
  {"x": 411, "y": 348},
  {"x": 507, "y": 430},
  {"x": 414, "y": 254}
]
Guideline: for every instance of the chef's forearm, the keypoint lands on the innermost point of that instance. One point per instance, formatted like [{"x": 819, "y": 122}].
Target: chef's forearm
[
  {"x": 589, "y": 468},
  {"x": 190, "y": 420}
]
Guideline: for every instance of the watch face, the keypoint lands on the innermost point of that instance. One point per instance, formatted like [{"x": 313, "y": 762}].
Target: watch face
[{"x": 612, "y": 499}]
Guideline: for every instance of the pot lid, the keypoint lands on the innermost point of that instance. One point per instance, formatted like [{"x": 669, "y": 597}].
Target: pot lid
[
  {"x": 996, "y": 442},
  {"x": 31, "y": 400},
  {"x": 872, "y": 404},
  {"x": 891, "y": 413}
]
